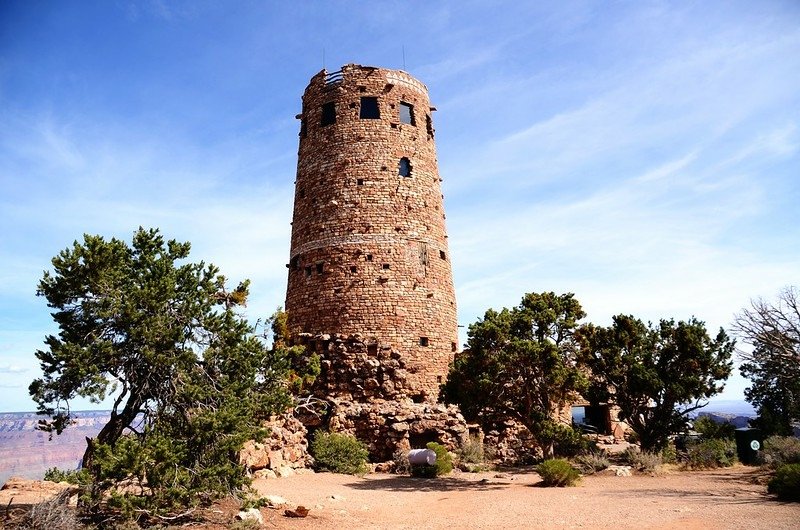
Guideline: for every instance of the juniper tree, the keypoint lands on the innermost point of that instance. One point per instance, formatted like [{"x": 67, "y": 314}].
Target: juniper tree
[
  {"x": 520, "y": 363},
  {"x": 163, "y": 339}
]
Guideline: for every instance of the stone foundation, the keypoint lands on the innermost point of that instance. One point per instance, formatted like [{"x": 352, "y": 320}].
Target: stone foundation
[
  {"x": 387, "y": 427},
  {"x": 285, "y": 449}
]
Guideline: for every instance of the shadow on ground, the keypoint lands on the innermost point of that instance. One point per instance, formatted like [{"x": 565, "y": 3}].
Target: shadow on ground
[{"x": 405, "y": 483}]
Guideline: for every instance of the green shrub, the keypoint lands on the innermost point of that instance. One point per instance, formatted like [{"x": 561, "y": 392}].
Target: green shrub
[
  {"x": 669, "y": 454},
  {"x": 712, "y": 453},
  {"x": 786, "y": 483},
  {"x": 442, "y": 466},
  {"x": 340, "y": 453},
  {"x": 444, "y": 462},
  {"x": 780, "y": 450},
  {"x": 711, "y": 430},
  {"x": 557, "y": 472},
  {"x": 472, "y": 451},
  {"x": 568, "y": 442},
  {"x": 591, "y": 463},
  {"x": 642, "y": 461},
  {"x": 66, "y": 475}
]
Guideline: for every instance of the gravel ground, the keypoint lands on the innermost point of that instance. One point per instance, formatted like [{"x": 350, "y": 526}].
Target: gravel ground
[{"x": 727, "y": 498}]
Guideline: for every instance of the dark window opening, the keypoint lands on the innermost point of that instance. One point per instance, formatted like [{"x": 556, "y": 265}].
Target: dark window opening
[
  {"x": 308, "y": 271},
  {"x": 360, "y": 182},
  {"x": 302, "y": 194},
  {"x": 369, "y": 257},
  {"x": 353, "y": 268},
  {"x": 362, "y": 89},
  {"x": 404, "y": 167},
  {"x": 453, "y": 347},
  {"x": 303, "y": 128},
  {"x": 319, "y": 268},
  {"x": 394, "y": 126},
  {"x": 439, "y": 379},
  {"x": 295, "y": 263},
  {"x": 419, "y": 440},
  {"x": 372, "y": 350},
  {"x": 353, "y": 105},
  {"x": 369, "y": 109},
  {"x": 407, "y": 113},
  {"x": 429, "y": 125},
  {"x": 386, "y": 266},
  {"x": 423, "y": 341},
  {"x": 328, "y": 113},
  {"x": 442, "y": 254}
]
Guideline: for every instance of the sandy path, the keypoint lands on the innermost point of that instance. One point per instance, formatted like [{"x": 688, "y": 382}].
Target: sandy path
[{"x": 729, "y": 498}]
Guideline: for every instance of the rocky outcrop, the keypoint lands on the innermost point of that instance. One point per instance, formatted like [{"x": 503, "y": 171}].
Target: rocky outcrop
[{"x": 284, "y": 450}]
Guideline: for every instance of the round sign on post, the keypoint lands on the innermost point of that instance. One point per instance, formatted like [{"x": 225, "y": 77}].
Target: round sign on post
[{"x": 754, "y": 445}]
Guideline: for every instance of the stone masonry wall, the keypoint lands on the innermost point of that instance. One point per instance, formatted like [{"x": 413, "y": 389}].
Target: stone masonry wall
[{"x": 369, "y": 254}]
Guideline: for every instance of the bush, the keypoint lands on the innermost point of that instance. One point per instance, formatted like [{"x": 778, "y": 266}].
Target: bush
[
  {"x": 443, "y": 465},
  {"x": 52, "y": 514},
  {"x": 786, "y": 483},
  {"x": 642, "y": 461},
  {"x": 557, "y": 472},
  {"x": 66, "y": 475},
  {"x": 401, "y": 464},
  {"x": 712, "y": 453},
  {"x": 340, "y": 453},
  {"x": 591, "y": 463},
  {"x": 472, "y": 451},
  {"x": 711, "y": 430},
  {"x": 780, "y": 450},
  {"x": 669, "y": 454},
  {"x": 569, "y": 442}
]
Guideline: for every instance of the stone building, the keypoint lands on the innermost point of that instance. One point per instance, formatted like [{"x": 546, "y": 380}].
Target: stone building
[
  {"x": 369, "y": 255},
  {"x": 370, "y": 285}
]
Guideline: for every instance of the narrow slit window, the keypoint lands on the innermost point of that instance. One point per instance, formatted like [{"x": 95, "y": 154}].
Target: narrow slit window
[
  {"x": 328, "y": 113},
  {"x": 407, "y": 113},
  {"x": 308, "y": 271},
  {"x": 453, "y": 347},
  {"x": 369, "y": 109},
  {"x": 423, "y": 341},
  {"x": 429, "y": 125},
  {"x": 442, "y": 254},
  {"x": 319, "y": 268},
  {"x": 404, "y": 167},
  {"x": 303, "y": 128},
  {"x": 295, "y": 263}
]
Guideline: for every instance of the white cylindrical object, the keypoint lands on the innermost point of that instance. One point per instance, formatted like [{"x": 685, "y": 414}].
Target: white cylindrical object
[{"x": 422, "y": 456}]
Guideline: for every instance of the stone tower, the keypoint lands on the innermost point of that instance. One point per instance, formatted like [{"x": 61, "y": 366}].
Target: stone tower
[{"x": 370, "y": 284}]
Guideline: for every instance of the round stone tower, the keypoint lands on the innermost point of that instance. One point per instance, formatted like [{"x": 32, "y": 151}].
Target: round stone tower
[{"x": 370, "y": 284}]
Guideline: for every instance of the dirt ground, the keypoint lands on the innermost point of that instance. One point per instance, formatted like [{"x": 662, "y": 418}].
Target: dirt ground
[{"x": 726, "y": 498}]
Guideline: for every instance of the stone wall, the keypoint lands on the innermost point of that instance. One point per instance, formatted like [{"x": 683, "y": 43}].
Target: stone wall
[
  {"x": 369, "y": 254},
  {"x": 391, "y": 426},
  {"x": 285, "y": 450}
]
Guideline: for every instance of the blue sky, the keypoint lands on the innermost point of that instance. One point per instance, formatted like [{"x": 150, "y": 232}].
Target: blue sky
[{"x": 643, "y": 155}]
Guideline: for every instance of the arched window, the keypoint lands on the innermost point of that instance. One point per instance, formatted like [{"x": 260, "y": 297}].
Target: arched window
[{"x": 404, "y": 167}]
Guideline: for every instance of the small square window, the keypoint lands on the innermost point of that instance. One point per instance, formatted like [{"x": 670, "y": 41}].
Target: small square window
[
  {"x": 328, "y": 113},
  {"x": 386, "y": 266},
  {"x": 308, "y": 271},
  {"x": 442, "y": 254},
  {"x": 369, "y": 109},
  {"x": 407, "y": 113},
  {"x": 319, "y": 268},
  {"x": 423, "y": 341},
  {"x": 360, "y": 182},
  {"x": 353, "y": 269},
  {"x": 369, "y": 257}
]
